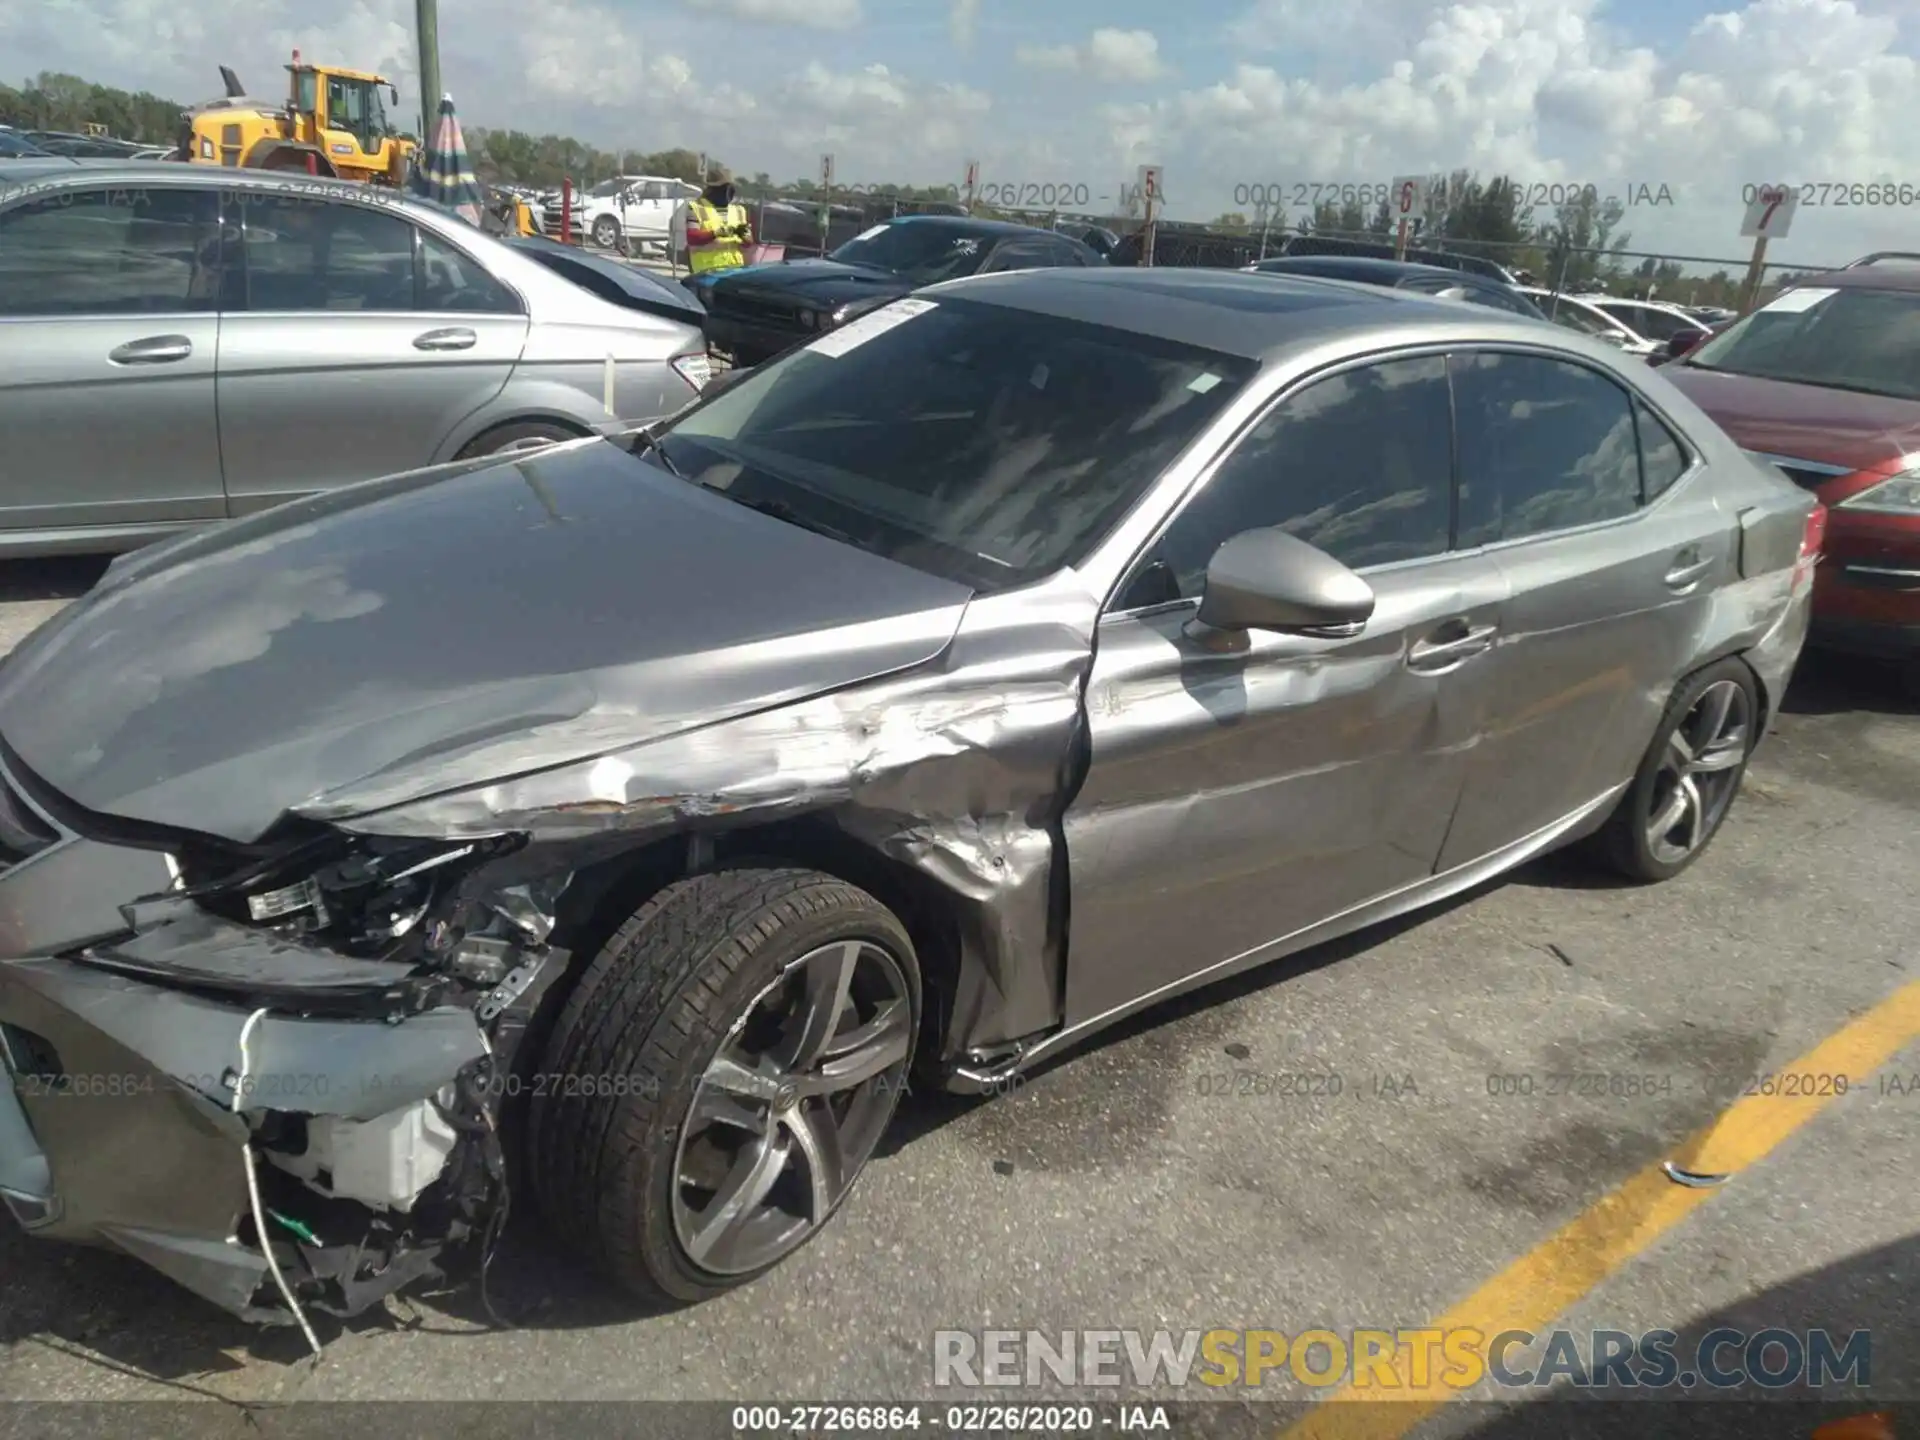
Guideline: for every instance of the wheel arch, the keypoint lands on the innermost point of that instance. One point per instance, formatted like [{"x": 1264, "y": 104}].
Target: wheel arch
[{"x": 606, "y": 892}]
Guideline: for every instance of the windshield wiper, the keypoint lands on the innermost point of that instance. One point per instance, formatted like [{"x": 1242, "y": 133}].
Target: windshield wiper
[
  {"x": 780, "y": 510},
  {"x": 650, "y": 442}
]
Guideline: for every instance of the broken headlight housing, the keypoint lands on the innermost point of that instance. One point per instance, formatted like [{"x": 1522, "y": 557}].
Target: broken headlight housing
[{"x": 366, "y": 896}]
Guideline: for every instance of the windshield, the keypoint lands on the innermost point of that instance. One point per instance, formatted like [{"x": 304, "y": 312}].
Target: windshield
[
  {"x": 922, "y": 253},
  {"x": 606, "y": 188},
  {"x": 984, "y": 444},
  {"x": 1867, "y": 340},
  {"x": 1575, "y": 316},
  {"x": 14, "y": 145}
]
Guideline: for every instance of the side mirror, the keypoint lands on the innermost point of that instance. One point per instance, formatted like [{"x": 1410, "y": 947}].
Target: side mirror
[
  {"x": 1681, "y": 342},
  {"x": 1269, "y": 580}
]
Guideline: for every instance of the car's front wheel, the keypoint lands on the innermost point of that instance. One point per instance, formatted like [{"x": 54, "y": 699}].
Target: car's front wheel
[
  {"x": 1687, "y": 780},
  {"x": 606, "y": 232},
  {"x": 720, "y": 1076}
]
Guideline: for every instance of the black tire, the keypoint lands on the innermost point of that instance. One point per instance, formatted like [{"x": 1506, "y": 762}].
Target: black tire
[
  {"x": 646, "y": 1020},
  {"x": 520, "y": 435},
  {"x": 1625, "y": 843},
  {"x": 606, "y": 233}
]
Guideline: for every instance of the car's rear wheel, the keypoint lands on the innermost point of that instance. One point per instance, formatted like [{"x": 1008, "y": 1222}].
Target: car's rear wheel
[
  {"x": 1687, "y": 781},
  {"x": 606, "y": 232},
  {"x": 721, "y": 1075},
  {"x": 524, "y": 435}
]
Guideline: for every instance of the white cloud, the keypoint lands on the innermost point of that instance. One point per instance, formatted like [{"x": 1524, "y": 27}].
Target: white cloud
[
  {"x": 1545, "y": 90},
  {"x": 1124, "y": 55},
  {"x": 1112, "y": 55},
  {"x": 963, "y": 20},
  {"x": 811, "y": 14},
  {"x": 1048, "y": 57}
]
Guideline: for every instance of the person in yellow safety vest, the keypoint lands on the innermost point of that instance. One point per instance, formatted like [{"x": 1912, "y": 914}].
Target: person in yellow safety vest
[{"x": 718, "y": 231}]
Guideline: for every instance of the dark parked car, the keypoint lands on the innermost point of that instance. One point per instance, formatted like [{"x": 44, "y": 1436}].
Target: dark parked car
[
  {"x": 1823, "y": 382},
  {"x": 15, "y": 146},
  {"x": 625, "y": 285},
  {"x": 1296, "y": 245},
  {"x": 620, "y": 822},
  {"x": 1402, "y": 275},
  {"x": 85, "y": 147},
  {"x": 755, "y": 313}
]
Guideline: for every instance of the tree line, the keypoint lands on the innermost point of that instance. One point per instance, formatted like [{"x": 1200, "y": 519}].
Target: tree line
[{"x": 1579, "y": 246}]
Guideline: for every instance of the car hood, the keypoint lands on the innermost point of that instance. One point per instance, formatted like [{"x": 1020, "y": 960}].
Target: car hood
[
  {"x": 1803, "y": 422},
  {"x": 443, "y": 629},
  {"x": 824, "y": 284}
]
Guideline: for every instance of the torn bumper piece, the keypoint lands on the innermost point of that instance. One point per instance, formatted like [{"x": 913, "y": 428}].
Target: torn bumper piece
[{"x": 117, "y": 1124}]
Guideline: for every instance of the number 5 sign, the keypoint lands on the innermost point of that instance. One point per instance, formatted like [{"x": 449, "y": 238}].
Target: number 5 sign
[
  {"x": 1407, "y": 200},
  {"x": 1770, "y": 212}
]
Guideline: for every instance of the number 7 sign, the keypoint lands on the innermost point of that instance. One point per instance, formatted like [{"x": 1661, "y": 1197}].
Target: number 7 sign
[{"x": 1770, "y": 212}]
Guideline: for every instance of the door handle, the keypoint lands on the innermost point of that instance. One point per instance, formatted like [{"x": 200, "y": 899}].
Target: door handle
[
  {"x": 455, "y": 339},
  {"x": 154, "y": 350},
  {"x": 1687, "y": 569},
  {"x": 1453, "y": 643}
]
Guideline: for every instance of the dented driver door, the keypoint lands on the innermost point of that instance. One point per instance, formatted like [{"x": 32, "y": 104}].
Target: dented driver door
[{"x": 1236, "y": 798}]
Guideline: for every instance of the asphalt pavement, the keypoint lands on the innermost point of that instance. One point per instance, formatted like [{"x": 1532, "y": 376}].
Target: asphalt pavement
[{"x": 1129, "y": 1187}]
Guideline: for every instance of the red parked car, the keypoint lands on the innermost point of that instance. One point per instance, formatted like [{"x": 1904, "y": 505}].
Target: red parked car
[{"x": 1825, "y": 382}]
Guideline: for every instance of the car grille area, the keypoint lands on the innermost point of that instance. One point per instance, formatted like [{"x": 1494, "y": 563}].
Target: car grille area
[{"x": 759, "y": 309}]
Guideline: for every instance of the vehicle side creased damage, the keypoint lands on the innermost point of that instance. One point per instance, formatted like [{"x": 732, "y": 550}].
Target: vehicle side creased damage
[
  {"x": 400, "y": 947},
  {"x": 960, "y": 770}
]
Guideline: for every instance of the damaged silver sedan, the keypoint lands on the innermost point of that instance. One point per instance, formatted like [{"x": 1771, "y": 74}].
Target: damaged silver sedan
[{"x": 611, "y": 830}]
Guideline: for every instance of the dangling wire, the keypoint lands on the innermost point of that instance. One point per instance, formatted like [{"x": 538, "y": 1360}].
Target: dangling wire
[{"x": 253, "y": 1185}]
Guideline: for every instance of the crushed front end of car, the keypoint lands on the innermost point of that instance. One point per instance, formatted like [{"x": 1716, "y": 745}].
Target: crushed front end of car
[{"x": 272, "y": 1072}]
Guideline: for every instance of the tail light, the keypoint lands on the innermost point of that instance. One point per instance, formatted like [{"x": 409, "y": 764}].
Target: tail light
[
  {"x": 1816, "y": 533},
  {"x": 696, "y": 369},
  {"x": 1811, "y": 540}
]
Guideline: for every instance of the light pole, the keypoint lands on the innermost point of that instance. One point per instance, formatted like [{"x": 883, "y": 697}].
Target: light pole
[{"x": 426, "y": 19}]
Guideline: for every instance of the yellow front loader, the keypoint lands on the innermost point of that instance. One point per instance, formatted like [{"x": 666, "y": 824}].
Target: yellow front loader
[{"x": 334, "y": 123}]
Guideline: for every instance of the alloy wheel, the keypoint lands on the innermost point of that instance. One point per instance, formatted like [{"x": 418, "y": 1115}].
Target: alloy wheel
[
  {"x": 791, "y": 1107},
  {"x": 1699, "y": 771}
]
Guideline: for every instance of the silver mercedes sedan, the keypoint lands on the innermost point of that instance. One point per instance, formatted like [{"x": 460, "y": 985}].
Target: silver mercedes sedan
[
  {"x": 181, "y": 344},
  {"x": 613, "y": 829}
]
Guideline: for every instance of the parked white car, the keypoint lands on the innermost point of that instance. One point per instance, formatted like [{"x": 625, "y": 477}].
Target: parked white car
[
  {"x": 1583, "y": 315},
  {"x": 632, "y": 211},
  {"x": 1655, "y": 319}
]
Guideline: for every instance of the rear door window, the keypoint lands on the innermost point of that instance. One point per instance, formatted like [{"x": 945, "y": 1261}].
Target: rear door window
[
  {"x": 304, "y": 254},
  {"x": 1544, "y": 445}
]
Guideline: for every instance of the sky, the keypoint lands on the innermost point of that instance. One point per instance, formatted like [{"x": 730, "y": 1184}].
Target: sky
[{"x": 1224, "y": 95}]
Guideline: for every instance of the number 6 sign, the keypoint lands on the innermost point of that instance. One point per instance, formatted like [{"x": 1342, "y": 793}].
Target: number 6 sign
[
  {"x": 1407, "y": 200},
  {"x": 1770, "y": 212}
]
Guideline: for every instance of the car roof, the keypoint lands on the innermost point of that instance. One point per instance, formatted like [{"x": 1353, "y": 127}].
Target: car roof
[
  {"x": 1260, "y": 317},
  {"x": 1889, "y": 275},
  {"x": 1372, "y": 266},
  {"x": 35, "y": 171}
]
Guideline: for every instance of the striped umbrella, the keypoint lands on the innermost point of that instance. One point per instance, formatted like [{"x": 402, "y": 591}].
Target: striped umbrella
[{"x": 444, "y": 174}]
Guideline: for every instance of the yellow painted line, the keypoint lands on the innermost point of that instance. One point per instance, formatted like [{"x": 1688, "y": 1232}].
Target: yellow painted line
[{"x": 1545, "y": 1283}]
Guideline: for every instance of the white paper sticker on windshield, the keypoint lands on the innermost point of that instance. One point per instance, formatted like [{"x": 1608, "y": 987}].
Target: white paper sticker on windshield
[
  {"x": 868, "y": 234},
  {"x": 1795, "y": 300},
  {"x": 1200, "y": 384},
  {"x": 858, "y": 332}
]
